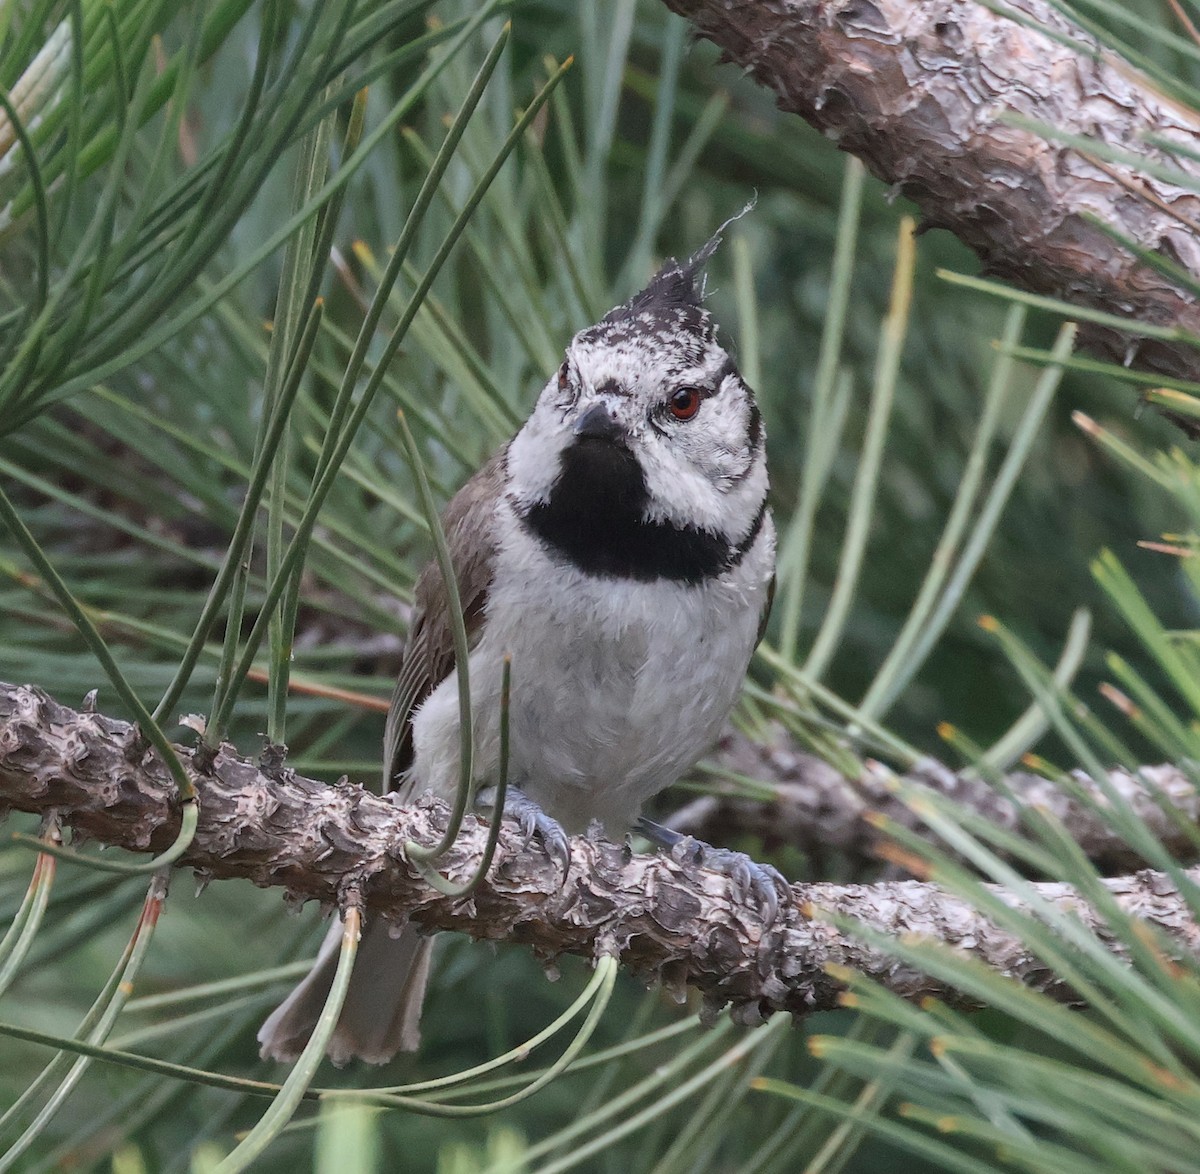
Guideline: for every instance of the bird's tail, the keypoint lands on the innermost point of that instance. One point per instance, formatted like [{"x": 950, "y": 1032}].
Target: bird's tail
[{"x": 382, "y": 1012}]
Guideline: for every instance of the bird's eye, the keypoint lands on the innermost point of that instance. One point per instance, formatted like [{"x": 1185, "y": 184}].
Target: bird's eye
[
  {"x": 684, "y": 403},
  {"x": 564, "y": 377}
]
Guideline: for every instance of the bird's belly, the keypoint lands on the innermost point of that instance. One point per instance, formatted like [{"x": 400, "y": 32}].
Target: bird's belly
[{"x": 618, "y": 686}]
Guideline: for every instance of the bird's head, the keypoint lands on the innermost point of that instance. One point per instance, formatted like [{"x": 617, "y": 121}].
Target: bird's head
[{"x": 647, "y": 415}]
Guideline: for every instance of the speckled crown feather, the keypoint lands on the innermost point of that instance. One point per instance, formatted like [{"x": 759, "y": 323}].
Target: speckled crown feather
[
  {"x": 669, "y": 310},
  {"x": 671, "y": 299}
]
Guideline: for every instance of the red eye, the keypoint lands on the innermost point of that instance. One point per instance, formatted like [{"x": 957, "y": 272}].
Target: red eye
[
  {"x": 685, "y": 403},
  {"x": 564, "y": 377}
]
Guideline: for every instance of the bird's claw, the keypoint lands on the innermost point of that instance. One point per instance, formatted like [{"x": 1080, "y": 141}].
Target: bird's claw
[
  {"x": 533, "y": 822},
  {"x": 751, "y": 881}
]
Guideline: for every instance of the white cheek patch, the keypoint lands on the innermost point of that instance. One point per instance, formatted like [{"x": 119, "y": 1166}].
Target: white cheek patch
[
  {"x": 534, "y": 452},
  {"x": 720, "y": 445},
  {"x": 706, "y": 472}
]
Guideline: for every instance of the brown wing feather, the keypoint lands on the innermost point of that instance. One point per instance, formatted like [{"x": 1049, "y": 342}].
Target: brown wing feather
[
  {"x": 429, "y": 653},
  {"x": 764, "y": 619}
]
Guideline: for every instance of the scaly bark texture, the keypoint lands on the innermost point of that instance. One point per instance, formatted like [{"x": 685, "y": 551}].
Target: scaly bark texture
[
  {"x": 819, "y": 811},
  {"x": 661, "y": 915},
  {"x": 924, "y": 93}
]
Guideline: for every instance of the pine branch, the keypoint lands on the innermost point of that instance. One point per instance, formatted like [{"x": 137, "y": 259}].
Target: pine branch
[
  {"x": 663, "y": 916},
  {"x": 819, "y": 811},
  {"x": 937, "y": 98}
]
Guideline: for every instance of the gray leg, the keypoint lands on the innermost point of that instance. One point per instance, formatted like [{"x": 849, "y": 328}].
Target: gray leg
[{"x": 764, "y": 884}]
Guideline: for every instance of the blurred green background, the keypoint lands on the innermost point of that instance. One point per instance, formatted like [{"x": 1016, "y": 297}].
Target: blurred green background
[{"x": 132, "y": 484}]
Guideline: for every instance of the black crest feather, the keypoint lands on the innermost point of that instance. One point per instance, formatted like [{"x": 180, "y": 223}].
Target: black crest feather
[{"x": 672, "y": 297}]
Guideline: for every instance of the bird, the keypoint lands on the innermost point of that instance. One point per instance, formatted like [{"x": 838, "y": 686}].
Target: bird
[{"x": 620, "y": 549}]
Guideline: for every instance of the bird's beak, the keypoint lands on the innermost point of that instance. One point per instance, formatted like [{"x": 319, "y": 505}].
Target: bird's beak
[{"x": 598, "y": 423}]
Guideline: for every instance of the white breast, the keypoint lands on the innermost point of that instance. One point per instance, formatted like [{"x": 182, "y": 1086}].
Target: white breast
[{"x": 618, "y": 687}]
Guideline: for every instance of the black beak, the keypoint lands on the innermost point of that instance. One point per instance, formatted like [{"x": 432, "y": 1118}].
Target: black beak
[{"x": 597, "y": 423}]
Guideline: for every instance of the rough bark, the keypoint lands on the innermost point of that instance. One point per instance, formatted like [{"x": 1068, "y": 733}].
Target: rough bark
[
  {"x": 819, "y": 811},
  {"x": 661, "y": 915},
  {"x": 925, "y": 93}
]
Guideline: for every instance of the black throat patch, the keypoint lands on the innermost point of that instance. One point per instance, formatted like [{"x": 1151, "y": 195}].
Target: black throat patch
[{"x": 594, "y": 519}]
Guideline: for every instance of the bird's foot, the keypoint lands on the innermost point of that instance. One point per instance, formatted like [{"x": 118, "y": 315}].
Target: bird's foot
[
  {"x": 765, "y": 885},
  {"x": 533, "y": 821}
]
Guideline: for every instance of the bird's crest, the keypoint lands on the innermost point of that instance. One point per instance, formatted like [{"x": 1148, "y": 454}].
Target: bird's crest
[{"x": 671, "y": 299}]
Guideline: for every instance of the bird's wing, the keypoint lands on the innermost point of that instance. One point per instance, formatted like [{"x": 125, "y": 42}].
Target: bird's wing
[
  {"x": 469, "y": 523},
  {"x": 764, "y": 619}
]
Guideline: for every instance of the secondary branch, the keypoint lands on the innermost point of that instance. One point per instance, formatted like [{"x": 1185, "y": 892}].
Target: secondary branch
[
  {"x": 815, "y": 809},
  {"x": 940, "y": 98}
]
